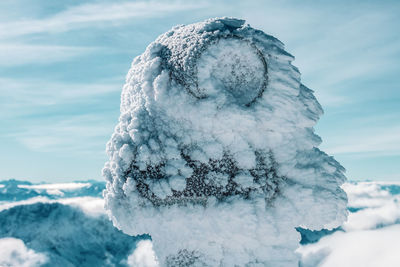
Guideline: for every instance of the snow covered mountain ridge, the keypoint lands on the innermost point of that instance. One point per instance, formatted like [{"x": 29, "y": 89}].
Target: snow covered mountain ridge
[{"x": 60, "y": 225}]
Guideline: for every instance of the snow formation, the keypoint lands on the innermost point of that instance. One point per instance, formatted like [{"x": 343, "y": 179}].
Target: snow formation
[{"x": 215, "y": 154}]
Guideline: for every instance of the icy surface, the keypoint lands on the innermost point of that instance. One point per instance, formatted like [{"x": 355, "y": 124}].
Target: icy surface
[{"x": 215, "y": 154}]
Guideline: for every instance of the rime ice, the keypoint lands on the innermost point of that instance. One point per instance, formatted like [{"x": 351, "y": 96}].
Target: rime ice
[{"x": 215, "y": 154}]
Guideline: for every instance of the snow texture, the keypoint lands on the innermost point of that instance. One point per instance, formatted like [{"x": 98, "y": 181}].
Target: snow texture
[{"x": 215, "y": 154}]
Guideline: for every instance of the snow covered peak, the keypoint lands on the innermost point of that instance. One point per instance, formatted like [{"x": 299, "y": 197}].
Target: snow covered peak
[{"x": 215, "y": 145}]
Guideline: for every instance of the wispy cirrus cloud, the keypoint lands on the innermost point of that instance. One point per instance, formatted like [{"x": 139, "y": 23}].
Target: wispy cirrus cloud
[
  {"x": 36, "y": 92},
  {"x": 38, "y": 99},
  {"x": 88, "y": 14},
  {"x": 80, "y": 134},
  {"x": 16, "y": 49},
  {"x": 335, "y": 44},
  {"x": 58, "y": 117},
  {"x": 372, "y": 142},
  {"x": 16, "y": 54}
]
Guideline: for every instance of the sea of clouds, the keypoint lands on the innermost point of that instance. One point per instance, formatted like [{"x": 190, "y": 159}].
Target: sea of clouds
[
  {"x": 370, "y": 235},
  {"x": 65, "y": 224}
]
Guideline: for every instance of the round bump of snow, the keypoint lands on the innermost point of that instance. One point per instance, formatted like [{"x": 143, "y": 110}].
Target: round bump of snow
[{"x": 232, "y": 68}]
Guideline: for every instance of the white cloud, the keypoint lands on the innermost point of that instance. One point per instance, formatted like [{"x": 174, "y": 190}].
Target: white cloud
[
  {"x": 380, "y": 141},
  {"x": 4, "y": 205},
  {"x": 14, "y": 54},
  {"x": 92, "y": 206},
  {"x": 76, "y": 134},
  {"x": 332, "y": 99},
  {"x": 90, "y": 14},
  {"x": 369, "y": 248},
  {"x": 61, "y": 186},
  {"x": 59, "y": 129},
  {"x": 368, "y": 194},
  {"x": 55, "y": 189},
  {"x": 372, "y": 218},
  {"x": 370, "y": 236},
  {"x": 103, "y": 14},
  {"x": 20, "y": 94},
  {"x": 13, "y": 252},
  {"x": 143, "y": 255},
  {"x": 379, "y": 207}
]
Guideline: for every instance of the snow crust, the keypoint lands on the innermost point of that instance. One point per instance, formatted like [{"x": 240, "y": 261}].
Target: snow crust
[{"x": 215, "y": 154}]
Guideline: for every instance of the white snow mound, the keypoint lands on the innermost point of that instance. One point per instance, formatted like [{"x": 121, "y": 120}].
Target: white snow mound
[{"x": 215, "y": 154}]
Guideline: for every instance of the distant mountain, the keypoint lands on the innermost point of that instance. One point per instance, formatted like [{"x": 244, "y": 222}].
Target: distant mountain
[
  {"x": 67, "y": 236},
  {"x": 14, "y": 190}
]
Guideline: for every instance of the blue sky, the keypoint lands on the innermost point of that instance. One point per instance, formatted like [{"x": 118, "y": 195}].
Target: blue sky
[{"x": 63, "y": 64}]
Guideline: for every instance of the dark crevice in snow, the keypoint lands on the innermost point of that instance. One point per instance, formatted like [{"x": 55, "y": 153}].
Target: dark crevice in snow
[{"x": 215, "y": 178}]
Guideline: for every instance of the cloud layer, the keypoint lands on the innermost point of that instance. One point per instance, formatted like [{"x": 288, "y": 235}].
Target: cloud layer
[
  {"x": 13, "y": 252},
  {"x": 369, "y": 237}
]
